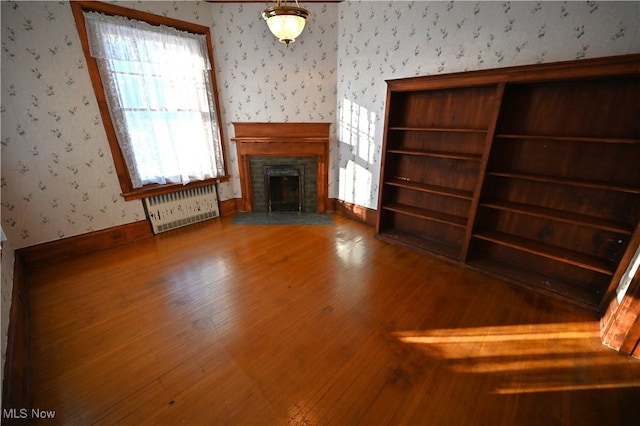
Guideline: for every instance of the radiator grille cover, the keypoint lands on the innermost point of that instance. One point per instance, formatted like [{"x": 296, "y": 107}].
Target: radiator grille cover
[{"x": 177, "y": 209}]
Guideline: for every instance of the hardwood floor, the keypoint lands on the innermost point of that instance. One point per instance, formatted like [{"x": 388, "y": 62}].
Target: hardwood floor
[{"x": 310, "y": 325}]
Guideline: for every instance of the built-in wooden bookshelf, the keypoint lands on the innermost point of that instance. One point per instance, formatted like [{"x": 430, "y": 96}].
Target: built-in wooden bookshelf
[
  {"x": 528, "y": 173},
  {"x": 434, "y": 149}
]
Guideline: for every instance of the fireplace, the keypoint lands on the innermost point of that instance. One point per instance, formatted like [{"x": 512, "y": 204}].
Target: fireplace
[
  {"x": 284, "y": 189},
  {"x": 305, "y": 168},
  {"x": 295, "y": 151}
]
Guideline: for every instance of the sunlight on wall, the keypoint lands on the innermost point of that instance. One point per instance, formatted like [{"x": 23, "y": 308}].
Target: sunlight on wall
[{"x": 356, "y": 133}]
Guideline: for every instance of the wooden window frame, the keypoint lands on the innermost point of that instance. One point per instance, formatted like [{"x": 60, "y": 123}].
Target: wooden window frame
[{"x": 128, "y": 191}]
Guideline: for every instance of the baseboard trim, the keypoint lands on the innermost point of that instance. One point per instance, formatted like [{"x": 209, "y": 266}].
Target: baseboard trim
[
  {"x": 15, "y": 386},
  {"x": 356, "y": 212},
  {"x": 230, "y": 206},
  {"x": 85, "y": 243}
]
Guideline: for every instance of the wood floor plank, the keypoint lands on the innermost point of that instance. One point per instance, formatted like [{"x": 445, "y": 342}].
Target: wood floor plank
[{"x": 219, "y": 323}]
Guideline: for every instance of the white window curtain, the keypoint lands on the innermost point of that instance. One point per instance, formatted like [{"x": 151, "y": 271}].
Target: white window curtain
[{"x": 160, "y": 97}]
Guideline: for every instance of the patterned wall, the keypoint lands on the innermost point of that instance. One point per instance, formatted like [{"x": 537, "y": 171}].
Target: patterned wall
[
  {"x": 389, "y": 40},
  {"x": 262, "y": 80},
  {"x": 58, "y": 178}
]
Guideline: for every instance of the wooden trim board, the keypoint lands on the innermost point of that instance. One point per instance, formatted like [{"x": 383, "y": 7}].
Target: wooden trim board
[
  {"x": 85, "y": 243},
  {"x": 16, "y": 375},
  {"x": 356, "y": 212}
]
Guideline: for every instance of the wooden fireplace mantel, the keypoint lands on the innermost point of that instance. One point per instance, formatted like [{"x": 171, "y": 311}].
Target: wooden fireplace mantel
[{"x": 283, "y": 140}]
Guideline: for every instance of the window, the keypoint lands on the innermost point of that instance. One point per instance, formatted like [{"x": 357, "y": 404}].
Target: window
[{"x": 156, "y": 89}]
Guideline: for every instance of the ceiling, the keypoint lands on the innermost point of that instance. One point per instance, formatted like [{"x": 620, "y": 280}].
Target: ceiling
[{"x": 266, "y": 1}]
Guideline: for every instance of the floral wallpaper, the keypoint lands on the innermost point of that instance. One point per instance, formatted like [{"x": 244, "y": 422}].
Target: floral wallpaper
[
  {"x": 58, "y": 178},
  {"x": 262, "y": 80},
  {"x": 388, "y": 40}
]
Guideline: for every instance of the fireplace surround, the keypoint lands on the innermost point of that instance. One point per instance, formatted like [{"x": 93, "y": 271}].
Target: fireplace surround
[{"x": 283, "y": 144}]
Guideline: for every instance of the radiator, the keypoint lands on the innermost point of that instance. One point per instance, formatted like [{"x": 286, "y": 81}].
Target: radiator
[{"x": 170, "y": 211}]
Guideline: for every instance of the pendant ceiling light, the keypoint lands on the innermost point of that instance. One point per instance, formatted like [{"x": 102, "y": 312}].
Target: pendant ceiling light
[{"x": 286, "y": 22}]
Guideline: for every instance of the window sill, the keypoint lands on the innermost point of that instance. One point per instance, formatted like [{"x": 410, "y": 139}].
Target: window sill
[{"x": 157, "y": 189}]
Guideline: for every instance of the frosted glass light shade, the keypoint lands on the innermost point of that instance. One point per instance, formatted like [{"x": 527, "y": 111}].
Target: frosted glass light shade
[
  {"x": 286, "y": 27},
  {"x": 285, "y": 22}
]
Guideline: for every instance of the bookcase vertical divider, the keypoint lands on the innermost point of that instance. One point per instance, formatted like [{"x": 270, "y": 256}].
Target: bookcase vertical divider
[{"x": 483, "y": 168}]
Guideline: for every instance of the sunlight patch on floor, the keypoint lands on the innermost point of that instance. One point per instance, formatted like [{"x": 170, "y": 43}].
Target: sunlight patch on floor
[{"x": 528, "y": 358}]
